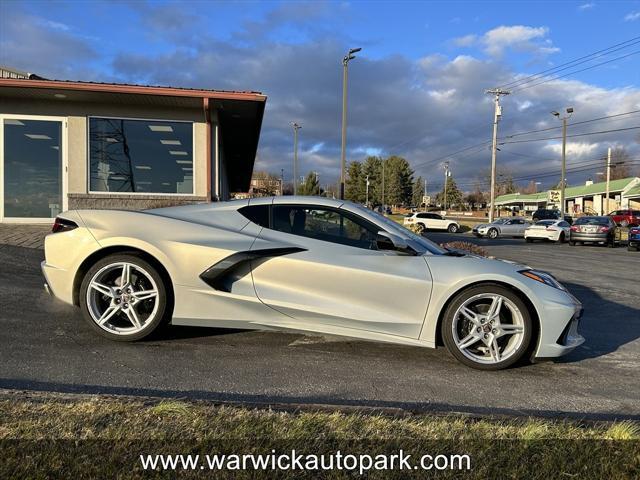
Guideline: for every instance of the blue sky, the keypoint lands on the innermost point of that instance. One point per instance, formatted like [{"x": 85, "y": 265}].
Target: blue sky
[{"x": 415, "y": 89}]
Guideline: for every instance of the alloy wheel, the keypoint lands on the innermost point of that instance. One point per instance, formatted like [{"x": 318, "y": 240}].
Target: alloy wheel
[
  {"x": 122, "y": 298},
  {"x": 488, "y": 328}
]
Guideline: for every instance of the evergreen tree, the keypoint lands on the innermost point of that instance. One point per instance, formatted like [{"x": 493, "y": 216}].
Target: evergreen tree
[
  {"x": 355, "y": 184},
  {"x": 454, "y": 195},
  {"x": 311, "y": 186},
  {"x": 418, "y": 192},
  {"x": 398, "y": 181}
]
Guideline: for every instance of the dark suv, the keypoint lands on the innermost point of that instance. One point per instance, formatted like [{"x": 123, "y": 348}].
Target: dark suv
[{"x": 546, "y": 214}]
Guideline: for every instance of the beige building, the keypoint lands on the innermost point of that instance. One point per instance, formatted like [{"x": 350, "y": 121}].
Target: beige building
[{"x": 66, "y": 145}]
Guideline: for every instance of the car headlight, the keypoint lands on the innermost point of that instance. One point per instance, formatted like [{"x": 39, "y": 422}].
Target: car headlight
[{"x": 543, "y": 277}]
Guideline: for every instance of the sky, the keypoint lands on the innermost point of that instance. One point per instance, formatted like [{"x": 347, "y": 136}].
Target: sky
[{"x": 416, "y": 89}]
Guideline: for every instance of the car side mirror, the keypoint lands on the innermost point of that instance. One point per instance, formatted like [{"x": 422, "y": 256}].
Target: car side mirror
[{"x": 389, "y": 241}]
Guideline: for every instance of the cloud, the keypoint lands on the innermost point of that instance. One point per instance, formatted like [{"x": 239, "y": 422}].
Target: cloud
[
  {"x": 576, "y": 149},
  {"x": 466, "y": 41},
  {"x": 517, "y": 37},
  {"x": 587, "y": 6},
  {"x": 632, "y": 17}
]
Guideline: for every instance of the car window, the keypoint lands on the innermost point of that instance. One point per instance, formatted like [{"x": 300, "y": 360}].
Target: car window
[
  {"x": 593, "y": 221},
  {"x": 423, "y": 215},
  {"x": 324, "y": 224},
  {"x": 436, "y": 216},
  {"x": 258, "y": 214},
  {"x": 564, "y": 224}
]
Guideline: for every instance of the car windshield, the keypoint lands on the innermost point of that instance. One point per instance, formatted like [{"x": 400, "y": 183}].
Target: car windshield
[
  {"x": 592, "y": 221},
  {"x": 500, "y": 221},
  {"x": 420, "y": 244}
]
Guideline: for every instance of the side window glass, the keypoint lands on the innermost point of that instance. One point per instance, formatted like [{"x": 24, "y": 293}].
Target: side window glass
[
  {"x": 323, "y": 224},
  {"x": 258, "y": 214}
]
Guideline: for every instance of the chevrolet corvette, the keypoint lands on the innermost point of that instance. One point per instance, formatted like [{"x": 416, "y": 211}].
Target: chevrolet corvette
[{"x": 303, "y": 264}]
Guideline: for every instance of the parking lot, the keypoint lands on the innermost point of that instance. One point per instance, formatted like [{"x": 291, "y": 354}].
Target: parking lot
[{"x": 46, "y": 346}]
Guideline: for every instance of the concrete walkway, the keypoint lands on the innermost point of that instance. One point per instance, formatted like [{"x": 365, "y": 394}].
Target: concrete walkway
[{"x": 29, "y": 236}]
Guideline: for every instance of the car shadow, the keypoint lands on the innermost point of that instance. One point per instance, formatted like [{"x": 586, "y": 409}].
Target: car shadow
[{"x": 606, "y": 325}]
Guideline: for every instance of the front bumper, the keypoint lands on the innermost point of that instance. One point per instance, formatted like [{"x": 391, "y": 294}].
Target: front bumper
[
  {"x": 559, "y": 323},
  {"x": 634, "y": 240}
]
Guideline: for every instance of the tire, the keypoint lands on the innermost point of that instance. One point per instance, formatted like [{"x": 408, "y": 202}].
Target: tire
[
  {"x": 611, "y": 243},
  {"x": 453, "y": 228},
  {"x": 121, "y": 308},
  {"x": 632, "y": 249},
  {"x": 572, "y": 243},
  {"x": 492, "y": 233},
  {"x": 529, "y": 240},
  {"x": 561, "y": 238},
  {"x": 420, "y": 228},
  {"x": 456, "y": 327}
]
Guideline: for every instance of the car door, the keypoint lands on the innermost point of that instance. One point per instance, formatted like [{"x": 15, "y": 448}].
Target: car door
[{"x": 336, "y": 279}]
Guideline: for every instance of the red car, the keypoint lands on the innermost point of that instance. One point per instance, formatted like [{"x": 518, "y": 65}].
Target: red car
[{"x": 626, "y": 217}]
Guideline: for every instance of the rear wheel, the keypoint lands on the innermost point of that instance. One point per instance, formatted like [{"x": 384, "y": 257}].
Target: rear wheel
[
  {"x": 453, "y": 228},
  {"x": 561, "y": 238},
  {"x": 124, "y": 298},
  {"x": 487, "y": 327},
  {"x": 529, "y": 240}
]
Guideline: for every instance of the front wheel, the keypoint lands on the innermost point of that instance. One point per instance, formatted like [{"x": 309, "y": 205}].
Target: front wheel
[
  {"x": 487, "y": 327},
  {"x": 124, "y": 298},
  {"x": 453, "y": 228},
  {"x": 493, "y": 233},
  {"x": 419, "y": 228}
]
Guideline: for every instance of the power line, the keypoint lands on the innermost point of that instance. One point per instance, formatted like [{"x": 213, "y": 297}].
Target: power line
[
  {"x": 572, "y": 63},
  {"x": 573, "y": 135},
  {"x": 576, "y": 71}
]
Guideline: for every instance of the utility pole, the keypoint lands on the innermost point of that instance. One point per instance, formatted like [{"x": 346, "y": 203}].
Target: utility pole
[
  {"x": 343, "y": 162},
  {"x": 494, "y": 148},
  {"x": 606, "y": 207},
  {"x": 296, "y": 127},
  {"x": 366, "y": 202},
  {"x": 563, "y": 173},
  {"x": 446, "y": 180},
  {"x": 281, "y": 181}
]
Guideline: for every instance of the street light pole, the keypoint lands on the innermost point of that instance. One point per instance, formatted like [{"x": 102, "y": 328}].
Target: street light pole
[
  {"x": 494, "y": 147},
  {"x": 296, "y": 127},
  {"x": 343, "y": 162},
  {"x": 606, "y": 208},
  {"x": 564, "y": 157},
  {"x": 446, "y": 180}
]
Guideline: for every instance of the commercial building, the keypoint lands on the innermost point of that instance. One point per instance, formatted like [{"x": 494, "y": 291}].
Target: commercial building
[
  {"x": 590, "y": 198},
  {"x": 70, "y": 144}
]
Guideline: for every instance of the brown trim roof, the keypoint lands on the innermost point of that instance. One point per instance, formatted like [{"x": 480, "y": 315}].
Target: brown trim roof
[{"x": 132, "y": 89}]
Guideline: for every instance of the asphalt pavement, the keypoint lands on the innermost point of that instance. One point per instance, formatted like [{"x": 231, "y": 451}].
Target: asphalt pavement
[{"x": 46, "y": 346}]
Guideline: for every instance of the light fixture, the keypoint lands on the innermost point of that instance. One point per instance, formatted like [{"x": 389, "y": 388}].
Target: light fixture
[
  {"x": 143, "y": 183},
  {"x": 55, "y": 147},
  {"x": 10, "y": 121},
  {"x": 170, "y": 142},
  {"x": 570, "y": 110},
  {"x": 187, "y": 168},
  {"x": 178, "y": 152},
  {"x": 60, "y": 95},
  {"x": 161, "y": 128},
  {"x": 186, "y": 162},
  {"x": 111, "y": 140},
  {"x": 35, "y": 136},
  {"x": 143, "y": 167},
  {"x": 166, "y": 184},
  {"x": 117, "y": 177},
  {"x": 555, "y": 114}
]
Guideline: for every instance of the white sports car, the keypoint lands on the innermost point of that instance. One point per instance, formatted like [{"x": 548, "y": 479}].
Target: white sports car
[{"x": 303, "y": 264}]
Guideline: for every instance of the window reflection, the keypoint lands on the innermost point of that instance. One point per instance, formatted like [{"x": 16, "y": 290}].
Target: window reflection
[
  {"x": 140, "y": 156},
  {"x": 32, "y": 168}
]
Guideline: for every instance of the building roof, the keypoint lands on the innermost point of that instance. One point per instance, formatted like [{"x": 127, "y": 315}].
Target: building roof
[
  {"x": 597, "y": 188},
  {"x": 522, "y": 197},
  {"x": 633, "y": 192},
  {"x": 26, "y": 80}
]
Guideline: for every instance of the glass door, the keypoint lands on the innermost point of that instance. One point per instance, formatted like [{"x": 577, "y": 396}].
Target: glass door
[{"x": 32, "y": 166}]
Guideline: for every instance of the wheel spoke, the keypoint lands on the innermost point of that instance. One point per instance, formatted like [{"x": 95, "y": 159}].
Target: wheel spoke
[
  {"x": 126, "y": 275},
  {"x": 470, "y": 315},
  {"x": 108, "y": 313},
  {"x": 145, "y": 294},
  {"x": 467, "y": 341},
  {"x": 510, "y": 329},
  {"x": 105, "y": 290},
  {"x": 494, "y": 350},
  {"x": 133, "y": 317},
  {"x": 494, "y": 310}
]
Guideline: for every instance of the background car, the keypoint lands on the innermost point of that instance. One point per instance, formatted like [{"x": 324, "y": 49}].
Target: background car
[
  {"x": 593, "y": 230},
  {"x": 634, "y": 239},
  {"x": 431, "y": 221},
  {"x": 550, "y": 214},
  {"x": 554, "y": 230},
  {"x": 626, "y": 218},
  {"x": 506, "y": 227},
  {"x": 306, "y": 264}
]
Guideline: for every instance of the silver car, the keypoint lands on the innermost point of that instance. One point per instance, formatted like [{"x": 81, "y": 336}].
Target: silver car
[
  {"x": 505, "y": 227},
  {"x": 303, "y": 264}
]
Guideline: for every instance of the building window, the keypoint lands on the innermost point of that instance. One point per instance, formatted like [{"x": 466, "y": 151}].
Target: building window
[{"x": 140, "y": 156}]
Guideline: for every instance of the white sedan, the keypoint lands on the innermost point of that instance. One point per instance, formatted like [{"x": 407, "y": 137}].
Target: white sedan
[{"x": 554, "y": 230}]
